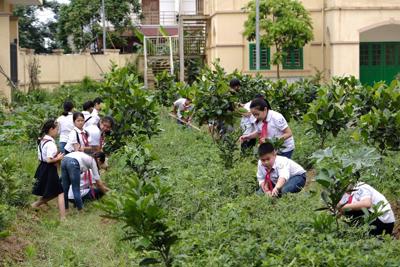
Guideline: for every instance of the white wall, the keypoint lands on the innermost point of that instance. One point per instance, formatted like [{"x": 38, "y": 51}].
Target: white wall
[
  {"x": 167, "y": 12},
  {"x": 387, "y": 33}
]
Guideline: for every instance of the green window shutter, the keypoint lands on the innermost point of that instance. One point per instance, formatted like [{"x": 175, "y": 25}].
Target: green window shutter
[
  {"x": 264, "y": 57},
  {"x": 294, "y": 59}
]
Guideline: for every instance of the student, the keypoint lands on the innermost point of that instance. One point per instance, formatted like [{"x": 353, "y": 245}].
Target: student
[
  {"x": 247, "y": 124},
  {"x": 234, "y": 84},
  {"x": 88, "y": 107},
  {"x": 65, "y": 124},
  {"x": 87, "y": 189},
  {"x": 181, "y": 105},
  {"x": 278, "y": 175},
  {"x": 77, "y": 138},
  {"x": 98, "y": 132},
  {"x": 94, "y": 116},
  {"x": 365, "y": 196},
  {"x": 72, "y": 166},
  {"x": 270, "y": 124},
  {"x": 47, "y": 184}
]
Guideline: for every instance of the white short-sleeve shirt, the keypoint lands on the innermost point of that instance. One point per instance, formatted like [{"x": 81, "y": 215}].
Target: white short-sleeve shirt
[
  {"x": 248, "y": 121},
  {"x": 94, "y": 134},
  {"x": 74, "y": 137},
  {"x": 86, "y": 162},
  {"x": 48, "y": 148},
  {"x": 283, "y": 168},
  {"x": 84, "y": 185},
  {"x": 65, "y": 126},
  {"x": 94, "y": 118},
  {"x": 276, "y": 125},
  {"x": 363, "y": 191},
  {"x": 180, "y": 105}
]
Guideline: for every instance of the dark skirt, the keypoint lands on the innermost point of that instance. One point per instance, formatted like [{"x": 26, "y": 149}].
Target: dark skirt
[{"x": 47, "y": 184}]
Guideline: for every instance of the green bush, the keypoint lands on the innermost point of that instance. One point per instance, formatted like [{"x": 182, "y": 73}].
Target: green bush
[{"x": 134, "y": 109}]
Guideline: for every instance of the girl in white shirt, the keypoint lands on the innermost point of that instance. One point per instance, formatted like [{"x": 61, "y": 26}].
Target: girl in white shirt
[
  {"x": 270, "y": 124},
  {"x": 72, "y": 166},
  {"x": 78, "y": 139},
  {"x": 65, "y": 124},
  {"x": 47, "y": 184},
  {"x": 88, "y": 107}
]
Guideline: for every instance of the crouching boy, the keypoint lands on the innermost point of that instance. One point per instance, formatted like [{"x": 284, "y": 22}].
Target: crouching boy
[
  {"x": 278, "y": 175},
  {"x": 365, "y": 196}
]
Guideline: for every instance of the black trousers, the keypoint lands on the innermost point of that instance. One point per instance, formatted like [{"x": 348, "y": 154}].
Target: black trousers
[{"x": 380, "y": 227}]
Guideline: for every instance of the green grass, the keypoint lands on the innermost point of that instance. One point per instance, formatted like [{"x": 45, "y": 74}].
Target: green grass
[{"x": 219, "y": 219}]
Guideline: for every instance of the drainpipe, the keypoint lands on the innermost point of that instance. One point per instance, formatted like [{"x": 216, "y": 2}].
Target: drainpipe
[{"x": 323, "y": 39}]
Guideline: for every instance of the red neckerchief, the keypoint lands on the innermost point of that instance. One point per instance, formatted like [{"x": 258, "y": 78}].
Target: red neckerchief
[
  {"x": 88, "y": 175},
  {"x": 268, "y": 180}
]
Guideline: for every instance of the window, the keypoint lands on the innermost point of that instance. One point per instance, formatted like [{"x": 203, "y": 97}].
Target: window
[
  {"x": 264, "y": 57},
  {"x": 294, "y": 59},
  {"x": 364, "y": 59},
  {"x": 376, "y": 54}
]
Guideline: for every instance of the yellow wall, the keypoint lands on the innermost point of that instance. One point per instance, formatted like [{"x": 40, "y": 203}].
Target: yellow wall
[
  {"x": 4, "y": 48},
  {"x": 70, "y": 68},
  {"x": 337, "y": 25}
]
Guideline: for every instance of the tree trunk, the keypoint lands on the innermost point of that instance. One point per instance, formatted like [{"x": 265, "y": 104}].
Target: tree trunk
[{"x": 277, "y": 72}]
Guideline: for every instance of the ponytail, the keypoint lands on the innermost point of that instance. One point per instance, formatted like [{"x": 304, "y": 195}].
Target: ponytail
[
  {"x": 260, "y": 104},
  {"x": 49, "y": 124},
  {"x": 68, "y": 106}
]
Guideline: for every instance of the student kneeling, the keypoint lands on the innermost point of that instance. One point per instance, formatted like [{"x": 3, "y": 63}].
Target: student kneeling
[
  {"x": 365, "y": 196},
  {"x": 278, "y": 175},
  {"x": 89, "y": 192},
  {"x": 72, "y": 166}
]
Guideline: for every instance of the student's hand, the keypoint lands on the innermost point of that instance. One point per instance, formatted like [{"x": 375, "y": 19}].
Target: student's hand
[
  {"x": 242, "y": 138},
  {"x": 268, "y": 194},
  {"x": 264, "y": 187},
  {"x": 262, "y": 140},
  {"x": 275, "y": 192},
  {"x": 59, "y": 156}
]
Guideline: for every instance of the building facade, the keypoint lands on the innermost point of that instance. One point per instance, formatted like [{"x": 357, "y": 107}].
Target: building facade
[
  {"x": 358, "y": 37},
  {"x": 9, "y": 43}
]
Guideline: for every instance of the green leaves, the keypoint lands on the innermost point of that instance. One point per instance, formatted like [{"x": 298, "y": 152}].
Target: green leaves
[{"x": 133, "y": 108}]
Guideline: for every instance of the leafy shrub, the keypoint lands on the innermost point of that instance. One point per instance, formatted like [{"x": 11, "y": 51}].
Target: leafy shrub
[
  {"x": 228, "y": 146},
  {"x": 339, "y": 173},
  {"x": 214, "y": 99},
  {"x": 132, "y": 107},
  {"x": 166, "y": 91},
  {"x": 381, "y": 125},
  {"x": 330, "y": 112}
]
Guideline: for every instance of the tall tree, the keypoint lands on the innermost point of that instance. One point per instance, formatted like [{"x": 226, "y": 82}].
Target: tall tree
[
  {"x": 80, "y": 21},
  {"x": 284, "y": 24},
  {"x": 36, "y": 34}
]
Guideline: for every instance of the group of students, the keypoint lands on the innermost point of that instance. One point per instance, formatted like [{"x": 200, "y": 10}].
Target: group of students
[
  {"x": 79, "y": 155},
  {"x": 278, "y": 174}
]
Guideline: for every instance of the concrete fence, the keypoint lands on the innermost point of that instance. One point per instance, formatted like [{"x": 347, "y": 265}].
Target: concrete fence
[{"x": 58, "y": 68}]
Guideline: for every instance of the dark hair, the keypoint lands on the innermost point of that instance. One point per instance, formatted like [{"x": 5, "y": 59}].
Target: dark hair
[
  {"x": 49, "y": 124},
  {"x": 87, "y": 105},
  {"x": 76, "y": 115},
  {"x": 259, "y": 96},
  {"x": 108, "y": 119},
  {"x": 260, "y": 104},
  {"x": 265, "y": 148},
  {"x": 68, "y": 106},
  {"x": 99, "y": 155},
  {"x": 234, "y": 82},
  {"x": 97, "y": 100}
]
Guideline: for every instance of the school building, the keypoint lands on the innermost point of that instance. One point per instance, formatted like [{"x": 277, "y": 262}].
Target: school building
[
  {"x": 9, "y": 42},
  {"x": 357, "y": 37}
]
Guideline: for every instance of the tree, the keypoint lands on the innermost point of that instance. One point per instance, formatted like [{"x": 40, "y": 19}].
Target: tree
[
  {"x": 81, "y": 20},
  {"x": 283, "y": 23},
  {"x": 33, "y": 33}
]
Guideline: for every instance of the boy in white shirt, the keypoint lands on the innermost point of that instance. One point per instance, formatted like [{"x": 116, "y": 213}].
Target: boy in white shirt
[
  {"x": 181, "y": 105},
  {"x": 365, "y": 196},
  {"x": 278, "y": 175}
]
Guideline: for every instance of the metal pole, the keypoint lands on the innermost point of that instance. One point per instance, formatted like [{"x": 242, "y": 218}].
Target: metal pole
[
  {"x": 171, "y": 56},
  {"x": 181, "y": 46},
  {"x": 145, "y": 61},
  {"x": 103, "y": 10},
  {"x": 257, "y": 34}
]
